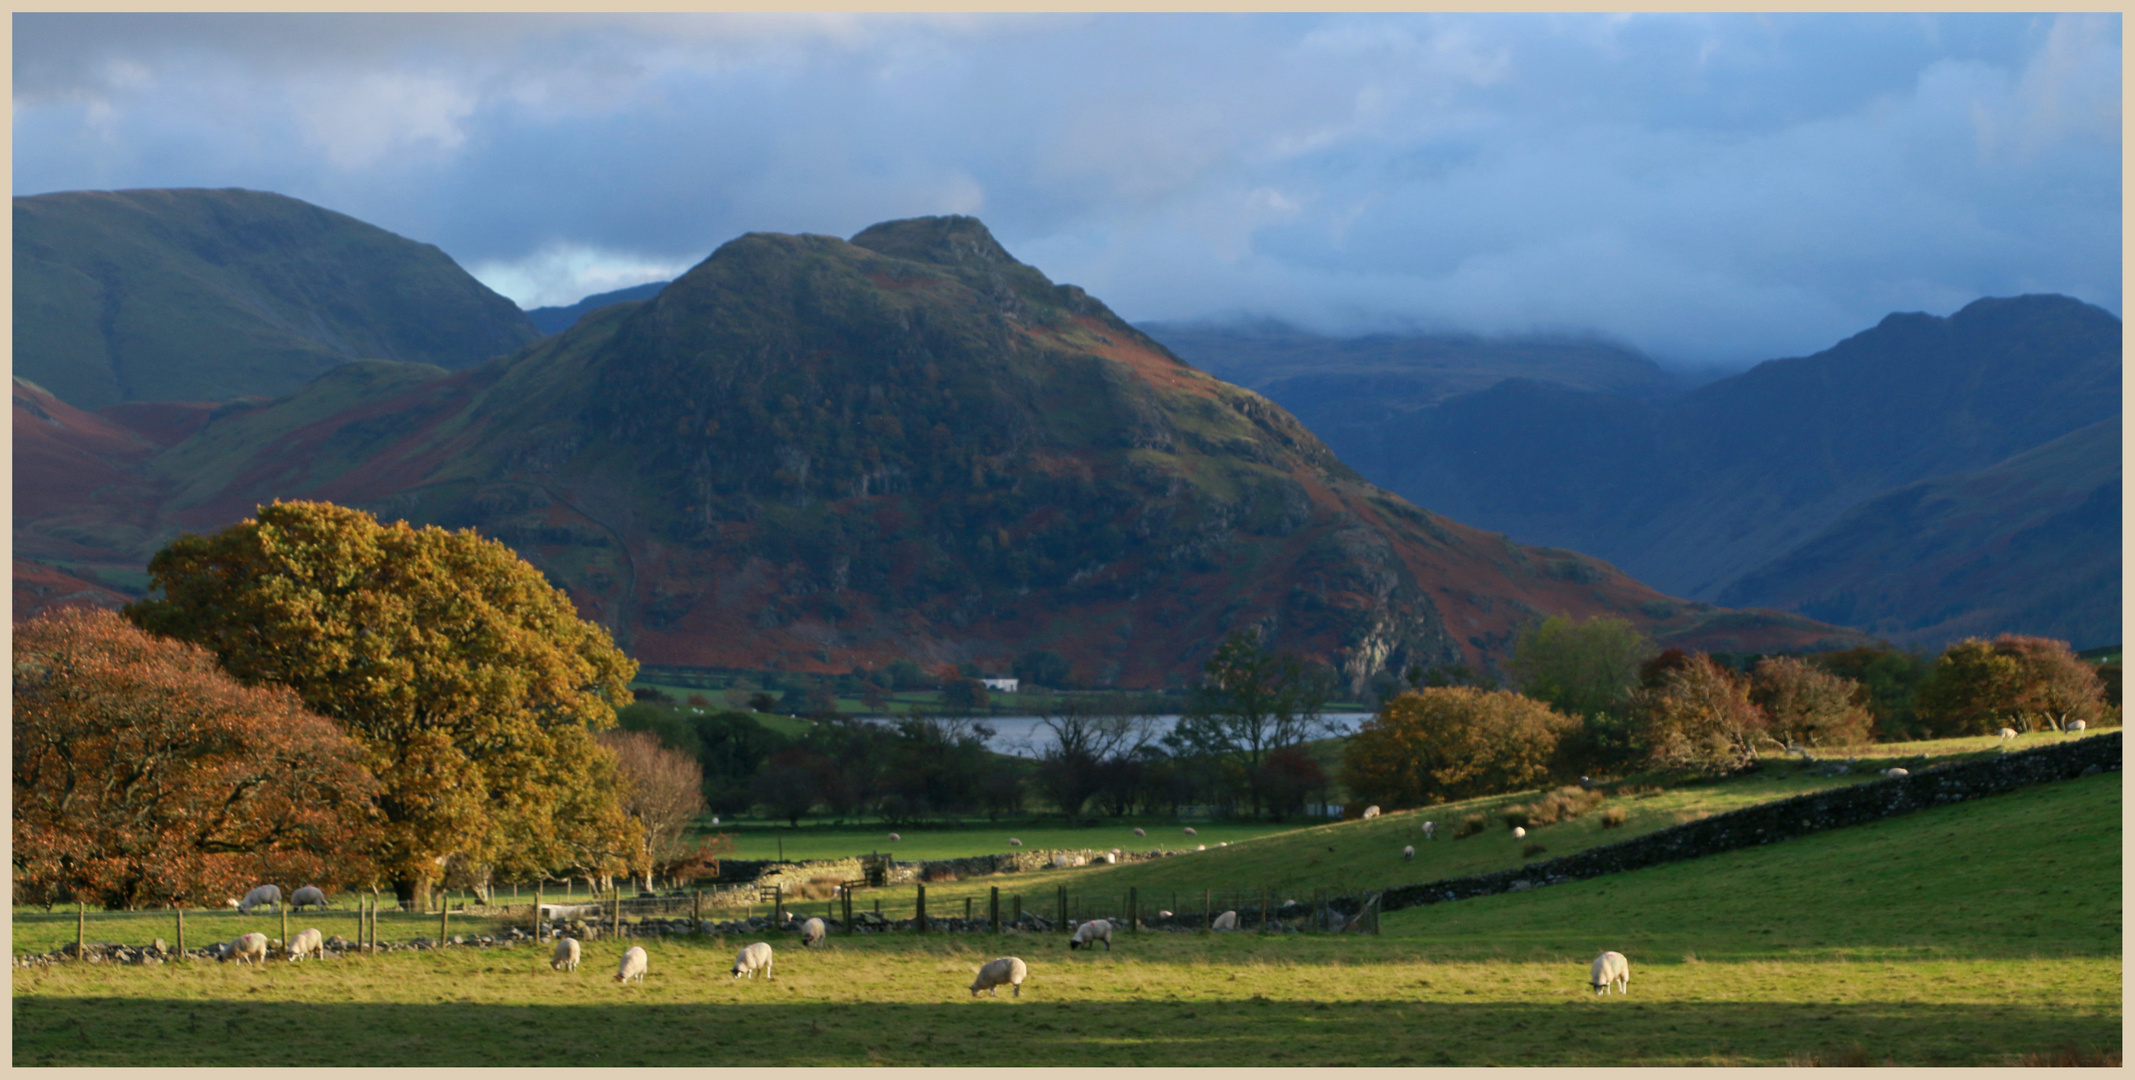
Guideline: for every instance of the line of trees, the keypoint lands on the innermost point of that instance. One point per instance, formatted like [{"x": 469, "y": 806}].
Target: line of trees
[{"x": 1595, "y": 696}]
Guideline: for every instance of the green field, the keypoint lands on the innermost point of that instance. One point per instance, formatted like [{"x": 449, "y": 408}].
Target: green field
[
  {"x": 757, "y": 839},
  {"x": 1975, "y": 934}
]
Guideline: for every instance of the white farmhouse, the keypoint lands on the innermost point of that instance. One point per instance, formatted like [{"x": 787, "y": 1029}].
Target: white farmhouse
[{"x": 1006, "y": 686}]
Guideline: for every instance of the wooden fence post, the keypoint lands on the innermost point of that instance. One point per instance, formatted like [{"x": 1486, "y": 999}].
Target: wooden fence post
[
  {"x": 285, "y": 926},
  {"x": 967, "y": 909},
  {"x": 778, "y": 905},
  {"x": 993, "y": 909},
  {"x": 536, "y": 920},
  {"x": 1063, "y": 909},
  {"x": 81, "y": 929},
  {"x": 444, "y": 912},
  {"x": 181, "y": 933},
  {"x": 919, "y": 918},
  {"x": 1019, "y": 911},
  {"x": 696, "y": 914},
  {"x": 615, "y": 915}
]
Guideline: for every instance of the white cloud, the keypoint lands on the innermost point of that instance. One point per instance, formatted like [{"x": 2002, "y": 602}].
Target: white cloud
[{"x": 562, "y": 274}]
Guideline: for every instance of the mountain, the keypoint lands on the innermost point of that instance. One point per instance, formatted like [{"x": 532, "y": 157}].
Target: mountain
[
  {"x": 1694, "y": 493},
  {"x": 555, "y": 320},
  {"x": 181, "y": 295},
  {"x": 2032, "y": 542},
  {"x": 812, "y": 454}
]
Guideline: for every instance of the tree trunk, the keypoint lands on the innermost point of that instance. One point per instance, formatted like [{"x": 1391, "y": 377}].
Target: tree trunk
[{"x": 413, "y": 894}]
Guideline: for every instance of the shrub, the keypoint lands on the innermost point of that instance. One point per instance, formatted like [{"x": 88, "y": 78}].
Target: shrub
[
  {"x": 2028, "y": 683},
  {"x": 1469, "y": 826},
  {"x": 1518, "y": 817},
  {"x": 1612, "y": 818}
]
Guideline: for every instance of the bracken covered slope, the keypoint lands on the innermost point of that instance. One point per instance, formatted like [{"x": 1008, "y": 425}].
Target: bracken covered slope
[{"x": 814, "y": 454}]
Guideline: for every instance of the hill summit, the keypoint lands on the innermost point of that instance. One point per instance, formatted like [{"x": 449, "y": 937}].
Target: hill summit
[{"x": 813, "y": 454}]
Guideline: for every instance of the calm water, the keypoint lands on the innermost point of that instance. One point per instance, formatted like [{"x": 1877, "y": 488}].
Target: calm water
[{"x": 1025, "y": 737}]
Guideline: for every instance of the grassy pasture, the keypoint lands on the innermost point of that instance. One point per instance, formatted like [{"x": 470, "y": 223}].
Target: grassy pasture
[{"x": 1977, "y": 934}]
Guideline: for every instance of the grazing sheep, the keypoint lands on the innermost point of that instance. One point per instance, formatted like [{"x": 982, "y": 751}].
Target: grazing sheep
[
  {"x": 565, "y": 958},
  {"x": 265, "y": 894},
  {"x": 1200, "y": 847},
  {"x": 1611, "y": 969},
  {"x": 1370, "y": 812},
  {"x": 1140, "y": 832},
  {"x": 2075, "y": 726},
  {"x": 1090, "y": 933},
  {"x": 232, "y": 903},
  {"x": 1430, "y": 830},
  {"x": 308, "y": 896},
  {"x": 1519, "y": 832},
  {"x": 1163, "y": 914},
  {"x": 812, "y": 932},
  {"x": 1408, "y": 854},
  {"x": 1109, "y": 858},
  {"x": 309, "y": 943},
  {"x": 633, "y": 966},
  {"x": 1223, "y": 843},
  {"x": 1079, "y": 861},
  {"x": 248, "y": 949},
  {"x": 1007, "y": 969},
  {"x": 895, "y": 838},
  {"x": 1060, "y": 862},
  {"x": 1896, "y": 772},
  {"x": 1190, "y": 831},
  {"x": 753, "y": 959},
  {"x": 1013, "y": 842},
  {"x": 2008, "y": 733},
  {"x": 1226, "y": 921}
]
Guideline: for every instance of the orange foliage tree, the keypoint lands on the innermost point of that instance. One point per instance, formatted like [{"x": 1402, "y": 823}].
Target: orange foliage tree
[
  {"x": 1452, "y": 742},
  {"x": 2027, "y": 683},
  {"x": 1805, "y": 704},
  {"x": 146, "y": 776},
  {"x": 1695, "y": 714},
  {"x": 663, "y": 789},
  {"x": 471, "y": 683}
]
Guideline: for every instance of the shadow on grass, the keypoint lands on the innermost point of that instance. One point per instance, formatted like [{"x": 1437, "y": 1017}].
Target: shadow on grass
[{"x": 1036, "y": 1031}]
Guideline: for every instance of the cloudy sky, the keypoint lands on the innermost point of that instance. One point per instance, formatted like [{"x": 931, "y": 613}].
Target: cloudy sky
[{"x": 1712, "y": 189}]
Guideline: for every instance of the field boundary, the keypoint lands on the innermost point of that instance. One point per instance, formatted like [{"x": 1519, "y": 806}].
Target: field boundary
[{"x": 1784, "y": 819}]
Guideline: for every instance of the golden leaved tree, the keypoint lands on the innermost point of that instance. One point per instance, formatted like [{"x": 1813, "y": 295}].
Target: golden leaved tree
[
  {"x": 1443, "y": 743},
  {"x": 470, "y": 682}
]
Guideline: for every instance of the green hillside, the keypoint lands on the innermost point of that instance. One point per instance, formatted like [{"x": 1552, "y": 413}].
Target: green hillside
[{"x": 199, "y": 295}]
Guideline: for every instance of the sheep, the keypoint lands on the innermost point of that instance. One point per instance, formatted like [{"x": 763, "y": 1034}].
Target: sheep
[
  {"x": 1079, "y": 861},
  {"x": 1090, "y": 933},
  {"x": 1013, "y": 842},
  {"x": 1060, "y": 862},
  {"x": 265, "y": 894},
  {"x": 1896, "y": 772},
  {"x": 1519, "y": 832},
  {"x": 1007, "y": 969},
  {"x": 1611, "y": 969},
  {"x": 894, "y": 838},
  {"x": 247, "y": 949},
  {"x": 2008, "y": 733},
  {"x": 1430, "y": 830},
  {"x": 812, "y": 932},
  {"x": 1141, "y": 832},
  {"x": 1190, "y": 831},
  {"x": 1163, "y": 914},
  {"x": 1200, "y": 847},
  {"x": 1109, "y": 858},
  {"x": 752, "y": 959},
  {"x": 1223, "y": 843},
  {"x": 1371, "y": 812},
  {"x": 565, "y": 958},
  {"x": 308, "y": 896},
  {"x": 1408, "y": 854},
  {"x": 232, "y": 903},
  {"x": 1226, "y": 921},
  {"x": 2075, "y": 726},
  {"x": 309, "y": 943},
  {"x": 633, "y": 966}
]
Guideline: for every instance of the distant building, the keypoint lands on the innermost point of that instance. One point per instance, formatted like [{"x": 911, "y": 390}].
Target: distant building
[{"x": 1006, "y": 686}]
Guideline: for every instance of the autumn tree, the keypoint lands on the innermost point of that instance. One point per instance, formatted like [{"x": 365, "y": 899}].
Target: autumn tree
[
  {"x": 1805, "y": 704},
  {"x": 1249, "y": 703},
  {"x": 2027, "y": 683},
  {"x": 1087, "y": 740},
  {"x": 1579, "y": 667},
  {"x": 470, "y": 682},
  {"x": 1697, "y": 715},
  {"x": 1452, "y": 742},
  {"x": 663, "y": 789},
  {"x": 146, "y": 776}
]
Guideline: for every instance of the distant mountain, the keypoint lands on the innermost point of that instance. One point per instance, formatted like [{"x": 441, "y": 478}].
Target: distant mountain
[
  {"x": 814, "y": 454},
  {"x": 1695, "y": 493},
  {"x": 199, "y": 295},
  {"x": 556, "y": 320},
  {"x": 2030, "y": 543}
]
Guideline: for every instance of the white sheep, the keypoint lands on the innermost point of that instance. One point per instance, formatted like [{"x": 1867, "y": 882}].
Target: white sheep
[
  {"x": 309, "y": 943},
  {"x": 1611, "y": 969},
  {"x": 894, "y": 838},
  {"x": 1141, "y": 832},
  {"x": 752, "y": 959},
  {"x": 1226, "y": 921},
  {"x": 1109, "y": 858},
  {"x": 1223, "y": 843},
  {"x": 565, "y": 958},
  {"x": 2075, "y": 726},
  {"x": 633, "y": 966},
  {"x": 2008, "y": 733},
  {"x": 248, "y": 949},
  {"x": 1079, "y": 861},
  {"x": 1190, "y": 831},
  {"x": 1430, "y": 829},
  {"x": 1408, "y": 854},
  {"x": 1519, "y": 832},
  {"x": 1060, "y": 862},
  {"x": 232, "y": 903},
  {"x": 1013, "y": 842},
  {"x": 1163, "y": 914},
  {"x": 1007, "y": 969},
  {"x": 1090, "y": 933},
  {"x": 812, "y": 932},
  {"x": 265, "y": 894},
  {"x": 1370, "y": 812},
  {"x": 1200, "y": 847},
  {"x": 1896, "y": 772},
  {"x": 308, "y": 896}
]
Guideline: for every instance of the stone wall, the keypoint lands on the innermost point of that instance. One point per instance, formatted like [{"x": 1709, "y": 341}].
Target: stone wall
[{"x": 1799, "y": 816}]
